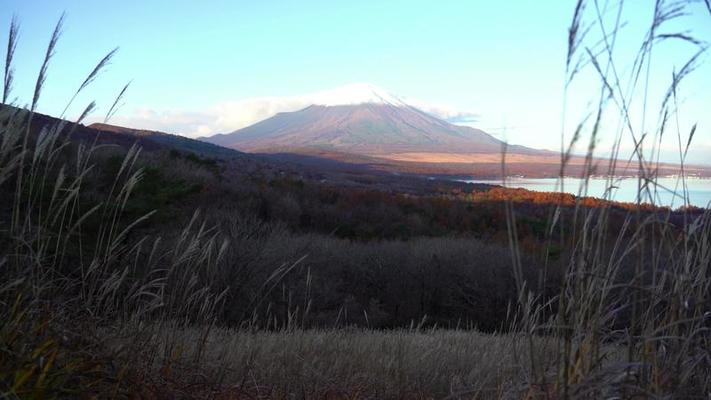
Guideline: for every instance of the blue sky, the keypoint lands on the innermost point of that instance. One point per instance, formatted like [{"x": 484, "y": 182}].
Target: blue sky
[{"x": 194, "y": 65}]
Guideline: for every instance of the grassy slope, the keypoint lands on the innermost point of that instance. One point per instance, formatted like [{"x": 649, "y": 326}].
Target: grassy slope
[{"x": 392, "y": 283}]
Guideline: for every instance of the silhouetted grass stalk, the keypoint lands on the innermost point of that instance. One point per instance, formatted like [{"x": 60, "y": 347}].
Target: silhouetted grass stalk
[
  {"x": 658, "y": 315},
  {"x": 105, "y": 279}
]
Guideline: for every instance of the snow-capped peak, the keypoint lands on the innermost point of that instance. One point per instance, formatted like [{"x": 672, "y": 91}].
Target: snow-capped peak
[
  {"x": 233, "y": 115},
  {"x": 353, "y": 94}
]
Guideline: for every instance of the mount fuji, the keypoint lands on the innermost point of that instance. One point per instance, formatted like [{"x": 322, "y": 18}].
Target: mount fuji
[{"x": 363, "y": 119}]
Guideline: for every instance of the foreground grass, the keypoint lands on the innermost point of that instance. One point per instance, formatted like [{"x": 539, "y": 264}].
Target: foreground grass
[{"x": 342, "y": 363}]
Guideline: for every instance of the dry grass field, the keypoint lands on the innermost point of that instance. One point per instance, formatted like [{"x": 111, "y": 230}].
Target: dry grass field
[{"x": 343, "y": 363}]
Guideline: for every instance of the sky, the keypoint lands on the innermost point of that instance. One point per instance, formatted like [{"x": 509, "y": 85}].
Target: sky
[{"x": 199, "y": 68}]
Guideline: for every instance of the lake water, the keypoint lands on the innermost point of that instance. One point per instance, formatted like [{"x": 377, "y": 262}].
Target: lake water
[{"x": 699, "y": 189}]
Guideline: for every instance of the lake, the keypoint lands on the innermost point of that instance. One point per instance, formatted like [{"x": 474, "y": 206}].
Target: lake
[{"x": 699, "y": 189}]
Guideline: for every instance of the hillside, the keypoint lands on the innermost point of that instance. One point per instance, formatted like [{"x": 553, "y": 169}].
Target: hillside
[
  {"x": 262, "y": 244},
  {"x": 176, "y": 142}
]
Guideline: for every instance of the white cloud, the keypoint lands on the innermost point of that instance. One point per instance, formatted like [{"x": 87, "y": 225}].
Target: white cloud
[
  {"x": 232, "y": 115},
  {"x": 447, "y": 113},
  {"x": 187, "y": 123}
]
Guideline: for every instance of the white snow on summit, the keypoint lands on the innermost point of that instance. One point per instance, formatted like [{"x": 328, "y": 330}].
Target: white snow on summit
[{"x": 353, "y": 94}]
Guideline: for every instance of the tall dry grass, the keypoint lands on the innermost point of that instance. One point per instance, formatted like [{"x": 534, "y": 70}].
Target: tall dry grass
[
  {"x": 620, "y": 333},
  {"x": 69, "y": 264}
]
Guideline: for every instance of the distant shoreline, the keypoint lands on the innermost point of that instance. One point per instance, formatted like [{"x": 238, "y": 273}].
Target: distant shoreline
[{"x": 667, "y": 191}]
